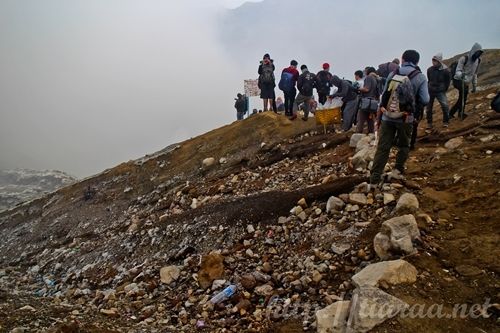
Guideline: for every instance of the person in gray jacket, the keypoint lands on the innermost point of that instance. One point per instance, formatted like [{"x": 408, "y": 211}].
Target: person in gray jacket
[
  {"x": 465, "y": 74},
  {"x": 398, "y": 131}
]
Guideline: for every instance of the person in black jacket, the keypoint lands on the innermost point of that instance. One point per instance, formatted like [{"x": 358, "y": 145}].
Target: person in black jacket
[
  {"x": 305, "y": 84},
  {"x": 323, "y": 83},
  {"x": 240, "y": 105},
  {"x": 267, "y": 82},
  {"x": 439, "y": 77}
]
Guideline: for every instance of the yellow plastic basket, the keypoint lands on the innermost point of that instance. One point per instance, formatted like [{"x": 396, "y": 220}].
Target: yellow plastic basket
[{"x": 328, "y": 116}]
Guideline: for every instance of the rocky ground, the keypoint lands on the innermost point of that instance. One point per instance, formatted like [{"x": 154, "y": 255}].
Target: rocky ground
[{"x": 283, "y": 214}]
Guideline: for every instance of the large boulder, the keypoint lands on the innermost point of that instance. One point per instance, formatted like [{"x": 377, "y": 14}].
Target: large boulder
[
  {"x": 355, "y": 139},
  {"x": 407, "y": 203},
  {"x": 212, "y": 268},
  {"x": 363, "y": 143},
  {"x": 370, "y": 307},
  {"x": 333, "y": 318},
  {"x": 397, "y": 236},
  {"x": 386, "y": 272},
  {"x": 363, "y": 157}
]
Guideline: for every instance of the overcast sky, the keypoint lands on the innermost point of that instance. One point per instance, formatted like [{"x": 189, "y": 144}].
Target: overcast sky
[{"x": 88, "y": 84}]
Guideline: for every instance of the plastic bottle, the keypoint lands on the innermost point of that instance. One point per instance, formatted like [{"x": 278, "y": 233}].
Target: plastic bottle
[{"x": 224, "y": 294}]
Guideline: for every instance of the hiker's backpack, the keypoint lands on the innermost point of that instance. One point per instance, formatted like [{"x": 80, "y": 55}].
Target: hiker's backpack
[
  {"x": 401, "y": 101},
  {"x": 308, "y": 83},
  {"x": 383, "y": 70},
  {"x": 286, "y": 83},
  {"x": 495, "y": 103},
  {"x": 324, "y": 82},
  {"x": 267, "y": 76}
]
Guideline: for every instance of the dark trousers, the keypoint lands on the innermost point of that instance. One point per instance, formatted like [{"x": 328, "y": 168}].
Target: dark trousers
[
  {"x": 289, "y": 100},
  {"x": 463, "y": 92},
  {"x": 391, "y": 133},
  {"x": 365, "y": 117},
  {"x": 443, "y": 101},
  {"x": 322, "y": 97}
]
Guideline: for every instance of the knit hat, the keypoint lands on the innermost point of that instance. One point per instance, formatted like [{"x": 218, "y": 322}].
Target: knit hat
[
  {"x": 326, "y": 65},
  {"x": 266, "y": 56},
  {"x": 438, "y": 57}
]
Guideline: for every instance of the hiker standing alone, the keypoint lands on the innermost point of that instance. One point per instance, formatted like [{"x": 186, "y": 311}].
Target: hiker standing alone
[
  {"x": 267, "y": 82},
  {"x": 465, "y": 74},
  {"x": 396, "y": 114},
  {"x": 439, "y": 77},
  {"x": 240, "y": 105}
]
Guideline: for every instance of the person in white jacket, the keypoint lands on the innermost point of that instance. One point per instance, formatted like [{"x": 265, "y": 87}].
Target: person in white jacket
[{"x": 465, "y": 74}]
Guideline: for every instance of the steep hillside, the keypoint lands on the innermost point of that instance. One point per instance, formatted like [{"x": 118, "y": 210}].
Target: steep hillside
[{"x": 276, "y": 208}]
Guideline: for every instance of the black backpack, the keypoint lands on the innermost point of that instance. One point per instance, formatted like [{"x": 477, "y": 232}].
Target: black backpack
[{"x": 495, "y": 103}]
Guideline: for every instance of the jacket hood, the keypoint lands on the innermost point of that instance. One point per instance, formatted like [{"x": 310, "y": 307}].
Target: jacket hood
[
  {"x": 439, "y": 58},
  {"x": 476, "y": 47},
  {"x": 336, "y": 81}
]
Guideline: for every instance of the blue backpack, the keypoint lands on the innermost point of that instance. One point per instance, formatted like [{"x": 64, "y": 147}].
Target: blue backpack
[{"x": 286, "y": 83}]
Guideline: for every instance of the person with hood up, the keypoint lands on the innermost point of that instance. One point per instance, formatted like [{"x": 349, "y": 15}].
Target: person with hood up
[
  {"x": 349, "y": 96},
  {"x": 465, "y": 74},
  {"x": 439, "y": 77}
]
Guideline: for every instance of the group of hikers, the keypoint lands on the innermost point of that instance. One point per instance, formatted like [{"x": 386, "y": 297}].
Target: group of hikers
[{"x": 390, "y": 99}]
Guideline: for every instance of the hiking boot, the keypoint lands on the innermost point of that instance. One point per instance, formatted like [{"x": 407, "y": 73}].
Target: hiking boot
[
  {"x": 293, "y": 117},
  {"x": 445, "y": 125},
  {"x": 304, "y": 118},
  {"x": 465, "y": 115},
  {"x": 429, "y": 126}
]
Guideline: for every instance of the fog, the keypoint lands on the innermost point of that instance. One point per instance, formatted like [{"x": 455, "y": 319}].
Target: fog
[{"x": 88, "y": 84}]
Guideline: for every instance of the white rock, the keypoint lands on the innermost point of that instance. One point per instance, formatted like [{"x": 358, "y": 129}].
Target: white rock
[
  {"x": 391, "y": 272},
  {"x": 223, "y": 160},
  {"x": 407, "y": 203},
  {"x": 388, "y": 198},
  {"x": 169, "y": 274},
  {"x": 208, "y": 162},
  {"x": 363, "y": 143},
  {"x": 333, "y": 318},
  {"x": 340, "y": 248},
  {"x": 334, "y": 204},
  {"x": 362, "y": 158},
  {"x": 250, "y": 229},
  {"x": 355, "y": 139},
  {"x": 371, "y": 307},
  {"x": 217, "y": 284},
  {"x": 454, "y": 143},
  {"x": 396, "y": 234},
  {"x": 358, "y": 198},
  {"x": 27, "y": 308},
  {"x": 194, "y": 203}
]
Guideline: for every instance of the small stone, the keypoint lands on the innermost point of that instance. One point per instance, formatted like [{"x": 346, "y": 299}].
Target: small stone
[
  {"x": 341, "y": 248},
  {"x": 388, "y": 198},
  {"x": 250, "y": 229},
  {"x": 267, "y": 268},
  {"x": 468, "y": 270},
  {"x": 302, "y": 216},
  {"x": 27, "y": 308},
  {"x": 223, "y": 160},
  {"x": 454, "y": 143},
  {"x": 113, "y": 312},
  {"x": 264, "y": 290},
  {"x": 317, "y": 276},
  {"x": 218, "y": 284},
  {"x": 302, "y": 203},
  {"x": 296, "y": 210},
  {"x": 282, "y": 220},
  {"x": 169, "y": 274},
  {"x": 357, "y": 198},
  {"x": 334, "y": 204},
  {"x": 352, "y": 208},
  {"x": 489, "y": 152},
  {"x": 212, "y": 268},
  {"x": 249, "y": 253},
  {"x": 248, "y": 282},
  {"x": 208, "y": 162}
]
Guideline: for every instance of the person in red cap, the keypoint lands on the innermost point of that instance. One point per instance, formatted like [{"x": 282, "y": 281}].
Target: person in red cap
[{"x": 324, "y": 83}]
